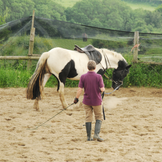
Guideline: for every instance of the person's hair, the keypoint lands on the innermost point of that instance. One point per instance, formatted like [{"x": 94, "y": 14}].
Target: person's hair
[{"x": 91, "y": 65}]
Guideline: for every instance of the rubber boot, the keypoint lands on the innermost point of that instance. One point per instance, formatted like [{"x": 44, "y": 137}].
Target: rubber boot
[
  {"x": 88, "y": 130},
  {"x": 97, "y": 131}
]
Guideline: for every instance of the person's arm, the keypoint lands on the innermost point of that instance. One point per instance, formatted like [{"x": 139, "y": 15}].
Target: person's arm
[
  {"x": 79, "y": 91},
  {"x": 102, "y": 89}
]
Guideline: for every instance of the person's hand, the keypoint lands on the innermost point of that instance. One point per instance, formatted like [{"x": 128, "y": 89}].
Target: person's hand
[{"x": 76, "y": 100}]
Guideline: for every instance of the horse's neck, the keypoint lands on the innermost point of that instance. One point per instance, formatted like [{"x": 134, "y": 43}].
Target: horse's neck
[
  {"x": 112, "y": 58},
  {"x": 112, "y": 61}
]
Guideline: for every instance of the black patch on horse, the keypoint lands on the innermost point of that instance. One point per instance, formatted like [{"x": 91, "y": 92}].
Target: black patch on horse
[
  {"x": 120, "y": 73},
  {"x": 101, "y": 72},
  {"x": 58, "y": 86},
  {"x": 68, "y": 71}
]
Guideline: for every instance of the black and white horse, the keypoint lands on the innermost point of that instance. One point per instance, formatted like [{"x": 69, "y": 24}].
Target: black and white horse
[{"x": 63, "y": 63}]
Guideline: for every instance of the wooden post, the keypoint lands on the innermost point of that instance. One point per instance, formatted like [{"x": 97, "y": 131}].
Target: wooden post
[
  {"x": 136, "y": 42},
  {"x": 31, "y": 42}
]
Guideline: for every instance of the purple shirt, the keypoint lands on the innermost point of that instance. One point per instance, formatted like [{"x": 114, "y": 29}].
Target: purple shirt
[{"x": 91, "y": 82}]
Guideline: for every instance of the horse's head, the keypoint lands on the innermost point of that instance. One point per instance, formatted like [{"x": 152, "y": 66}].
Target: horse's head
[
  {"x": 116, "y": 61},
  {"x": 120, "y": 73}
]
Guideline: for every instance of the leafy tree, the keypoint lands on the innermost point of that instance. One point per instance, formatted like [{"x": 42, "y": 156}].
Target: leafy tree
[
  {"x": 159, "y": 8},
  {"x": 105, "y": 13},
  {"x": 2, "y": 20},
  {"x": 12, "y": 10},
  {"x": 114, "y": 15},
  {"x": 17, "y": 9},
  {"x": 49, "y": 9},
  {"x": 109, "y": 14},
  {"x": 154, "y": 18}
]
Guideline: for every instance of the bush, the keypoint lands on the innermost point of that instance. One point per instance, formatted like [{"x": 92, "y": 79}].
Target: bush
[
  {"x": 13, "y": 77},
  {"x": 147, "y": 75}
]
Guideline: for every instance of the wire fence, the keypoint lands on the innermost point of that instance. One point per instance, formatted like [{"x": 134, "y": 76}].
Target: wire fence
[{"x": 15, "y": 36}]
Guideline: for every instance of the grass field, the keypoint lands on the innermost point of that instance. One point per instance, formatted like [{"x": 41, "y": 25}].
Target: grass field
[
  {"x": 14, "y": 74},
  {"x": 145, "y": 6},
  {"x": 66, "y": 3},
  {"x": 151, "y": 58}
]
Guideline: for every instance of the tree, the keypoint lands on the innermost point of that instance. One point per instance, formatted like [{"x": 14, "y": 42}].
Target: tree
[
  {"x": 2, "y": 20},
  {"x": 16, "y": 9},
  {"x": 159, "y": 8},
  {"x": 49, "y": 9},
  {"x": 12, "y": 9}
]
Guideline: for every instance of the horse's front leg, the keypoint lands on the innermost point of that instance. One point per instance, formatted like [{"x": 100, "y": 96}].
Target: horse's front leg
[{"x": 62, "y": 97}]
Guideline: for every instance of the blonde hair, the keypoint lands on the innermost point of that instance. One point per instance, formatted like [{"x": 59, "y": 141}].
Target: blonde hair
[{"x": 91, "y": 65}]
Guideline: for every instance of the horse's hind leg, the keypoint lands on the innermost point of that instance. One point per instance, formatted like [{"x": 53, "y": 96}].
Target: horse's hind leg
[
  {"x": 45, "y": 79},
  {"x": 61, "y": 94},
  {"x": 36, "y": 104}
]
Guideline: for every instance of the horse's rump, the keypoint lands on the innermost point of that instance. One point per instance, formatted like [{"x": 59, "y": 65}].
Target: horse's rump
[{"x": 35, "y": 87}]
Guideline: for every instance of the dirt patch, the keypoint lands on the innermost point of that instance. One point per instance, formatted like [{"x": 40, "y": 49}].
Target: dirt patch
[{"x": 132, "y": 129}]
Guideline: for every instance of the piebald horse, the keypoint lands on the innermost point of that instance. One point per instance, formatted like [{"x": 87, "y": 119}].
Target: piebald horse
[{"x": 63, "y": 63}]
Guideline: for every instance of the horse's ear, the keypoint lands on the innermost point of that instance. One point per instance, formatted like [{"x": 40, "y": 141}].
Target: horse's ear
[{"x": 128, "y": 67}]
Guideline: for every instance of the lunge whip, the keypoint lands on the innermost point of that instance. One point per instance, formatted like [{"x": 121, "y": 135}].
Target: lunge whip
[{"x": 50, "y": 118}]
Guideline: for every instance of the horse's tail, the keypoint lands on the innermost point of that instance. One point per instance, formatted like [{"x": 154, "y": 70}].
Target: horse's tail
[{"x": 35, "y": 87}]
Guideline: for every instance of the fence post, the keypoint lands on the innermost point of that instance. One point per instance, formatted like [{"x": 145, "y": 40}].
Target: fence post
[
  {"x": 31, "y": 42},
  {"x": 136, "y": 42}
]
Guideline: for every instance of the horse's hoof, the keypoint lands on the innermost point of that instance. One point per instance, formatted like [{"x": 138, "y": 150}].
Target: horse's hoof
[
  {"x": 65, "y": 106},
  {"x": 36, "y": 108}
]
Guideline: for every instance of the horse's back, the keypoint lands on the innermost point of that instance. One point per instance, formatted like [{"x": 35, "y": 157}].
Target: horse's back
[
  {"x": 66, "y": 54},
  {"x": 60, "y": 57}
]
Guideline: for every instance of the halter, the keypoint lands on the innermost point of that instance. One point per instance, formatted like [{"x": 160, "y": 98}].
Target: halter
[
  {"x": 110, "y": 92},
  {"x": 107, "y": 60}
]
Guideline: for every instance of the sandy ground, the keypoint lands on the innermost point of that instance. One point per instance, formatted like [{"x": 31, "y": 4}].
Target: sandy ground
[{"x": 132, "y": 130}]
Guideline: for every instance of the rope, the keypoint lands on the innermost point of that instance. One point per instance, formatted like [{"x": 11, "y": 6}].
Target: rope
[
  {"x": 106, "y": 76},
  {"x": 113, "y": 90},
  {"x": 50, "y": 118}
]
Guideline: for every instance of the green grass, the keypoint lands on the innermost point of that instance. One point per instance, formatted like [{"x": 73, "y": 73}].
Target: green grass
[
  {"x": 11, "y": 77},
  {"x": 19, "y": 45},
  {"x": 151, "y": 58},
  {"x": 66, "y": 3},
  {"x": 14, "y": 74},
  {"x": 144, "y": 6},
  {"x": 146, "y": 75},
  {"x": 69, "y": 43}
]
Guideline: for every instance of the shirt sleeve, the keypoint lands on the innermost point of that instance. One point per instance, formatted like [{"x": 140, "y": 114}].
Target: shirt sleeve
[
  {"x": 101, "y": 83},
  {"x": 81, "y": 82}
]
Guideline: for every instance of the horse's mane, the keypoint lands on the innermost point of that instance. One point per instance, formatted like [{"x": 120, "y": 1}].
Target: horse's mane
[{"x": 115, "y": 54}]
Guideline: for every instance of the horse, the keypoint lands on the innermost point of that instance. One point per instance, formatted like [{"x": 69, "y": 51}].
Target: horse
[{"x": 64, "y": 63}]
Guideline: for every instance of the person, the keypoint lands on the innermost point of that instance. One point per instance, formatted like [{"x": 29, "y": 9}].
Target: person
[{"x": 92, "y": 102}]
